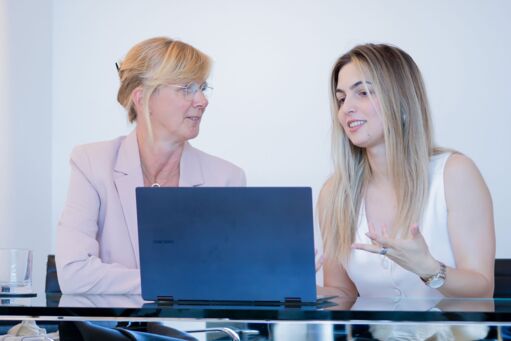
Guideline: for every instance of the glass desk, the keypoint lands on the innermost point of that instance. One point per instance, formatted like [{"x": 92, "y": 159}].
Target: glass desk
[
  {"x": 132, "y": 307},
  {"x": 340, "y": 315}
]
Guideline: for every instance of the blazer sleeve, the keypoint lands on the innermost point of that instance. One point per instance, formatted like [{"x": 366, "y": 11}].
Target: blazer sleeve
[
  {"x": 79, "y": 266},
  {"x": 237, "y": 179}
]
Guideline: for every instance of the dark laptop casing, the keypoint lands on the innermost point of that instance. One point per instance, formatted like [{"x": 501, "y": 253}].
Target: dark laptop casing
[{"x": 243, "y": 244}]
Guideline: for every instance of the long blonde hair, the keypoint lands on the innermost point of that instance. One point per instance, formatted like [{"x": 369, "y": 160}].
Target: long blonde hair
[
  {"x": 400, "y": 89},
  {"x": 155, "y": 62}
]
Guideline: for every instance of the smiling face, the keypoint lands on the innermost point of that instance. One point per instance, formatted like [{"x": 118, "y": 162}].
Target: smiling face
[
  {"x": 359, "y": 112},
  {"x": 175, "y": 115}
]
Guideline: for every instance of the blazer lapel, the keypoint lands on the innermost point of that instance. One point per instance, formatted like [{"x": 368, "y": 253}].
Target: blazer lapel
[
  {"x": 128, "y": 176},
  {"x": 190, "y": 170}
]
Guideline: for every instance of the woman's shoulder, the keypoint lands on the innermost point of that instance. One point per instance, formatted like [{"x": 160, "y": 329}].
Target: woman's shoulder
[
  {"x": 218, "y": 168},
  {"x": 462, "y": 179},
  {"x": 458, "y": 166},
  {"x": 213, "y": 161},
  {"x": 99, "y": 149}
]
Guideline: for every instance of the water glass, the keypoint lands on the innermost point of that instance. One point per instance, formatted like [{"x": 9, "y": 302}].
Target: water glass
[{"x": 15, "y": 272}]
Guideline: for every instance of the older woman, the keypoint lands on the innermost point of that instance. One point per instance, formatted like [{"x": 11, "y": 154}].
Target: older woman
[
  {"x": 164, "y": 90},
  {"x": 399, "y": 216}
]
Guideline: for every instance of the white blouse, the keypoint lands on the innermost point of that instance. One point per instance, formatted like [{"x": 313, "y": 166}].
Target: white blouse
[{"x": 377, "y": 276}]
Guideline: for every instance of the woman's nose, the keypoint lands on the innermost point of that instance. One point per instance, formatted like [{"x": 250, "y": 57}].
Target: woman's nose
[
  {"x": 348, "y": 107},
  {"x": 200, "y": 100}
]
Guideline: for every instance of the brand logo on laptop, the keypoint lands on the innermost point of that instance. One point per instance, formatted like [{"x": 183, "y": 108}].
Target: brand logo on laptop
[{"x": 163, "y": 241}]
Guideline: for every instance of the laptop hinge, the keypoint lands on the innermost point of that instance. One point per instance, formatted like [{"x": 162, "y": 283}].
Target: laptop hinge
[
  {"x": 165, "y": 299},
  {"x": 292, "y": 301}
]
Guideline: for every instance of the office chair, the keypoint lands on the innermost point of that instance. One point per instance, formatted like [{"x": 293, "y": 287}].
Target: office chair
[
  {"x": 502, "y": 278},
  {"x": 137, "y": 331},
  {"x": 503, "y": 289}
]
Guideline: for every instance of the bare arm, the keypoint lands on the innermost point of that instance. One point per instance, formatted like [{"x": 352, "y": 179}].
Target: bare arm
[
  {"x": 471, "y": 230},
  {"x": 336, "y": 281},
  {"x": 335, "y": 278},
  {"x": 471, "y": 233}
]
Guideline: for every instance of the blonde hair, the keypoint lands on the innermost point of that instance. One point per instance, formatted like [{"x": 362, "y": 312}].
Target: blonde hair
[
  {"x": 400, "y": 89},
  {"x": 155, "y": 62}
]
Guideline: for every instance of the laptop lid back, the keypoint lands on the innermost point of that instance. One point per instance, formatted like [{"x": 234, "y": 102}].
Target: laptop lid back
[{"x": 226, "y": 243}]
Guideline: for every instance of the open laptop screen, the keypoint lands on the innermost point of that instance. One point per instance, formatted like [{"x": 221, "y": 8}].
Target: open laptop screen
[{"x": 226, "y": 243}]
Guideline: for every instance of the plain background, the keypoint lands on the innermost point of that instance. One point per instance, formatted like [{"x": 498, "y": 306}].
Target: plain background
[{"x": 269, "y": 112}]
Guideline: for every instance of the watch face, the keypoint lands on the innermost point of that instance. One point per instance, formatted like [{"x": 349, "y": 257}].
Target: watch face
[{"x": 436, "y": 282}]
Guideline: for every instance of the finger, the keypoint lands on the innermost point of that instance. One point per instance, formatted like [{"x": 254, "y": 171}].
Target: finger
[
  {"x": 386, "y": 240},
  {"x": 385, "y": 231},
  {"x": 366, "y": 247},
  {"x": 371, "y": 230},
  {"x": 414, "y": 230},
  {"x": 379, "y": 241},
  {"x": 372, "y": 236},
  {"x": 370, "y": 227}
]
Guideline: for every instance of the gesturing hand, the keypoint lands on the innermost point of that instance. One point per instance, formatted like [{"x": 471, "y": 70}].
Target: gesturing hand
[{"x": 411, "y": 253}]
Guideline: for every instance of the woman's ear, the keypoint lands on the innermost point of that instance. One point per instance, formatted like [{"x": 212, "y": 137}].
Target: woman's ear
[{"x": 137, "y": 96}]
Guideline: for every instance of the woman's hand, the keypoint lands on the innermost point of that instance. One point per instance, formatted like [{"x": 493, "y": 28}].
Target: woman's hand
[{"x": 411, "y": 253}]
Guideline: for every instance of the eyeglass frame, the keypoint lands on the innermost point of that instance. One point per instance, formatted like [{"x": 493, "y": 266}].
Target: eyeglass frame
[
  {"x": 199, "y": 87},
  {"x": 192, "y": 88}
]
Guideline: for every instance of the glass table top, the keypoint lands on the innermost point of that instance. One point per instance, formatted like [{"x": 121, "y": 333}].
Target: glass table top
[{"x": 337, "y": 309}]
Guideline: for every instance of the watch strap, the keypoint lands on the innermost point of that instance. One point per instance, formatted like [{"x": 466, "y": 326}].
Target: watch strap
[{"x": 440, "y": 275}]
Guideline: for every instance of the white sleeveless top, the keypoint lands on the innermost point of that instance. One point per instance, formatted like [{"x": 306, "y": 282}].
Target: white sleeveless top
[{"x": 377, "y": 276}]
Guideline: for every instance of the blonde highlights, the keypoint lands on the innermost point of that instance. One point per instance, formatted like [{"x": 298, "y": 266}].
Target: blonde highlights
[
  {"x": 400, "y": 90},
  {"x": 155, "y": 62}
]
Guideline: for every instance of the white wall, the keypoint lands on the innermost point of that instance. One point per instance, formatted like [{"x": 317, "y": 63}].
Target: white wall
[
  {"x": 269, "y": 112},
  {"x": 4, "y": 126},
  {"x": 25, "y": 129}
]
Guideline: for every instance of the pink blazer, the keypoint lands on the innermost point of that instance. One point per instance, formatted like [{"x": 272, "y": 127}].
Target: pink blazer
[{"x": 97, "y": 238}]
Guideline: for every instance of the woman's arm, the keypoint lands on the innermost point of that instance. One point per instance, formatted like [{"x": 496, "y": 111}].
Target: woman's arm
[
  {"x": 471, "y": 230},
  {"x": 335, "y": 278},
  {"x": 336, "y": 281},
  {"x": 79, "y": 266},
  {"x": 471, "y": 234}
]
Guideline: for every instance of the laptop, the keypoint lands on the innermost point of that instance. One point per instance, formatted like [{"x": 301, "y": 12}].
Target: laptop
[{"x": 222, "y": 245}]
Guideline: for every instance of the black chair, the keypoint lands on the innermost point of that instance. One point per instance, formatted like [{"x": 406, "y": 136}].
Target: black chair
[
  {"x": 502, "y": 278},
  {"x": 83, "y": 330},
  {"x": 52, "y": 282}
]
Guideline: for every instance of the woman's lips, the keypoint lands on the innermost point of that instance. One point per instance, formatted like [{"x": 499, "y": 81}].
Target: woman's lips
[{"x": 354, "y": 125}]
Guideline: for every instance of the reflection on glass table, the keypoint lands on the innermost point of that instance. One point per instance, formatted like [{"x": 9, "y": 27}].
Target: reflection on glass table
[{"x": 382, "y": 317}]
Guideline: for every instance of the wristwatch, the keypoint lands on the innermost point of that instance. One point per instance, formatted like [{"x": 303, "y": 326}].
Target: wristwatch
[{"x": 437, "y": 280}]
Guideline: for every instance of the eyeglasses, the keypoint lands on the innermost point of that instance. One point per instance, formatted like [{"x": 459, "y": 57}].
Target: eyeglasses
[{"x": 191, "y": 89}]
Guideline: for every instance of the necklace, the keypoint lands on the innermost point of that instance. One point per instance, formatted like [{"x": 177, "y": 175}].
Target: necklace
[{"x": 154, "y": 182}]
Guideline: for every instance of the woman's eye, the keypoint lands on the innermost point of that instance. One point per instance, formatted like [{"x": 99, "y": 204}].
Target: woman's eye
[
  {"x": 340, "y": 101},
  {"x": 362, "y": 93}
]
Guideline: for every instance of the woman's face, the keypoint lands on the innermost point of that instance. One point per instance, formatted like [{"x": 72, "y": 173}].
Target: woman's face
[
  {"x": 359, "y": 112},
  {"x": 176, "y": 111}
]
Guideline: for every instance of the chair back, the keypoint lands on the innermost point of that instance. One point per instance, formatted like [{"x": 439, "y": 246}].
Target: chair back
[
  {"x": 52, "y": 281},
  {"x": 502, "y": 278}
]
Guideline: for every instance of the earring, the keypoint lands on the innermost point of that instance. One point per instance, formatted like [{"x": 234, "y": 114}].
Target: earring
[{"x": 404, "y": 115}]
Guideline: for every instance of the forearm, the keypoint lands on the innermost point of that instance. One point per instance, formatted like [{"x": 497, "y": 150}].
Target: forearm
[
  {"x": 459, "y": 282},
  {"x": 466, "y": 283},
  {"x": 92, "y": 276}
]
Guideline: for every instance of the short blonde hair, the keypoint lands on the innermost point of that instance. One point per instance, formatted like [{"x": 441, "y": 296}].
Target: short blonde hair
[
  {"x": 408, "y": 135},
  {"x": 155, "y": 62}
]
